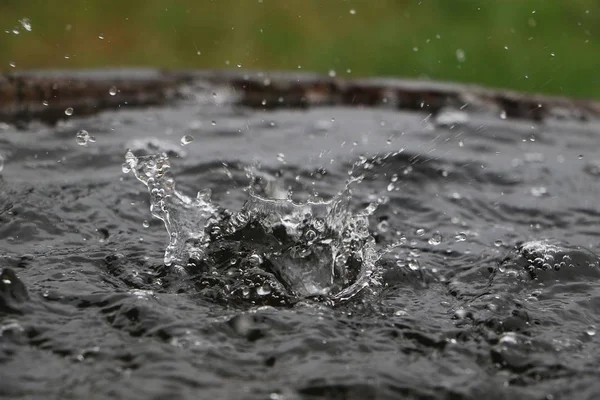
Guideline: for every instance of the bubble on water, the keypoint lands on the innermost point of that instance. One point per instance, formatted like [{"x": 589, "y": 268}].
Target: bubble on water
[
  {"x": 263, "y": 290},
  {"x": 435, "y": 239},
  {"x": 255, "y": 260},
  {"x": 186, "y": 139},
  {"x": 26, "y": 24},
  {"x": 461, "y": 237},
  {"x": 145, "y": 224},
  {"x": 83, "y": 138},
  {"x": 69, "y": 111},
  {"x": 112, "y": 91},
  {"x": 383, "y": 226},
  {"x": 460, "y": 55},
  {"x": 591, "y": 331}
]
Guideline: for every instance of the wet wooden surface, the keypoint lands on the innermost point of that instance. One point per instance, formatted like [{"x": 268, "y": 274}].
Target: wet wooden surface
[{"x": 45, "y": 95}]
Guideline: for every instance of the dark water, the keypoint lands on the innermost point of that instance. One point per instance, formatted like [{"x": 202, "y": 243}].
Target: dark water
[{"x": 491, "y": 289}]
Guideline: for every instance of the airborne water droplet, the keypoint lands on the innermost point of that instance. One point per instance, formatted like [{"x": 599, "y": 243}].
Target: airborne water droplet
[
  {"x": 69, "y": 111},
  {"x": 186, "y": 139},
  {"x": 498, "y": 243},
  {"x": 1, "y": 162},
  {"x": 12, "y": 64},
  {"x": 26, "y": 23},
  {"x": 112, "y": 91},
  {"x": 145, "y": 224}
]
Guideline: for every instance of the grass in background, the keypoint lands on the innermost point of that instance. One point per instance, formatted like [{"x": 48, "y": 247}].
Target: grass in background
[{"x": 541, "y": 46}]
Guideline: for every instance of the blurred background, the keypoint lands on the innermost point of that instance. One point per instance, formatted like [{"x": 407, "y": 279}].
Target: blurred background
[{"x": 548, "y": 46}]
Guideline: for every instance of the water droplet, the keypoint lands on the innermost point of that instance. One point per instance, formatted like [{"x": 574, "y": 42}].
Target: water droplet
[
  {"x": 331, "y": 73},
  {"x": 83, "y": 138},
  {"x": 460, "y": 55},
  {"x": 281, "y": 157},
  {"x": 26, "y": 23},
  {"x": 498, "y": 243},
  {"x": 1, "y": 162},
  {"x": 435, "y": 239},
  {"x": 254, "y": 260},
  {"x": 503, "y": 114},
  {"x": 101, "y": 36},
  {"x": 400, "y": 313},
  {"x": 352, "y": 11},
  {"x": 310, "y": 235},
  {"x": 125, "y": 168},
  {"x": 591, "y": 331},
  {"x": 213, "y": 123},
  {"x": 69, "y": 111},
  {"x": 145, "y": 224},
  {"x": 112, "y": 91},
  {"x": 461, "y": 237},
  {"x": 12, "y": 64},
  {"x": 581, "y": 157},
  {"x": 186, "y": 139},
  {"x": 420, "y": 231},
  {"x": 263, "y": 290},
  {"x": 45, "y": 103},
  {"x": 413, "y": 265}
]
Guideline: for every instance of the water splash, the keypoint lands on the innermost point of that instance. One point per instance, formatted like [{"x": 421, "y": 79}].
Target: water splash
[{"x": 271, "y": 247}]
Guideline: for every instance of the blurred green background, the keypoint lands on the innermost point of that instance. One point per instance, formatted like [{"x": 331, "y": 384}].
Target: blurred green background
[{"x": 550, "y": 46}]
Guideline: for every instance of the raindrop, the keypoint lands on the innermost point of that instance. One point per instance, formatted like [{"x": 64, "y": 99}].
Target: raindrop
[
  {"x": 83, "y": 138},
  {"x": 145, "y": 224},
  {"x": 435, "y": 239},
  {"x": 112, "y": 91},
  {"x": 26, "y": 23},
  {"x": 186, "y": 139},
  {"x": 69, "y": 111}
]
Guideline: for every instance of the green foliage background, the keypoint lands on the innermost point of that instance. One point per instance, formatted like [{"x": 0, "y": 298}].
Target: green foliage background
[{"x": 550, "y": 46}]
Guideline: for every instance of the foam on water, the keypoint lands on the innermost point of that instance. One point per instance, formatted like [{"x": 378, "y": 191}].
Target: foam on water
[{"x": 298, "y": 249}]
